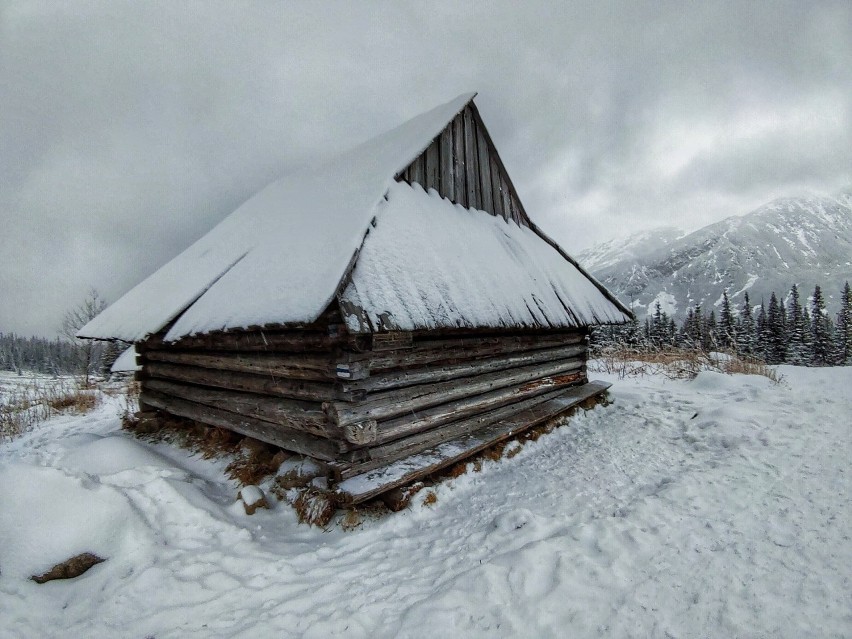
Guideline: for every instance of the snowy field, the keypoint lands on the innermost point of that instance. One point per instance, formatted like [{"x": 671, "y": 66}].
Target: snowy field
[{"x": 718, "y": 507}]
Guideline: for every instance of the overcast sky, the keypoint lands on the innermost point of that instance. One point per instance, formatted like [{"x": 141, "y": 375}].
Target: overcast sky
[{"x": 128, "y": 129}]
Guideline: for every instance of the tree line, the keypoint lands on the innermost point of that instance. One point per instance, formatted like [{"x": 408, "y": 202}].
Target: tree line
[
  {"x": 790, "y": 331},
  {"x": 62, "y": 356}
]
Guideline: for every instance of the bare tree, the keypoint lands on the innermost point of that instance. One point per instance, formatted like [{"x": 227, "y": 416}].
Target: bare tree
[{"x": 89, "y": 351}]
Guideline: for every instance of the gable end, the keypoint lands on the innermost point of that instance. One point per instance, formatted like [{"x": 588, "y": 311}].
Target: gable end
[{"x": 462, "y": 164}]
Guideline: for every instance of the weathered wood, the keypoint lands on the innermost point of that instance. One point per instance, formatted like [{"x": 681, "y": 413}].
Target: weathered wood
[
  {"x": 457, "y": 350},
  {"x": 484, "y": 167},
  {"x": 506, "y": 181},
  {"x": 288, "y": 438},
  {"x": 437, "y": 416},
  {"x": 470, "y": 161},
  {"x": 389, "y": 453},
  {"x": 289, "y": 341},
  {"x": 392, "y": 341},
  {"x": 361, "y": 433},
  {"x": 304, "y": 416},
  {"x": 265, "y": 385},
  {"x": 448, "y": 186},
  {"x": 432, "y": 179},
  {"x": 401, "y": 401},
  {"x": 417, "y": 172},
  {"x": 467, "y": 368},
  {"x": 373, "y": 483},
  {"x": 496, "y": 198},
  {"x": 295, "y": 366},
  {"x": 459, "y": 161}
]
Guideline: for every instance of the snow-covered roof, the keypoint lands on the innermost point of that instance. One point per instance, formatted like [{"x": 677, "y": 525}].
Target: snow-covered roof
[
  {"x": 430, "y": 264},
  {"x": 282, "y": 256}
]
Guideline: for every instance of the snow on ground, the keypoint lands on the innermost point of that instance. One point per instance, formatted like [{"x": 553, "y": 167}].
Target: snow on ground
[{"x": 717, "y": 507}]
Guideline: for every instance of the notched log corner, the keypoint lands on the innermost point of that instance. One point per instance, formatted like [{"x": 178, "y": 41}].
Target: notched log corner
[{"x": 361, "y": 433}]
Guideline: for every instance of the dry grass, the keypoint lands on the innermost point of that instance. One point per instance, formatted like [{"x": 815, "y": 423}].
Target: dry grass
[
  {"x": 430, "y": 499},
  {"x": 253, "y": 460},
  {"x": 675, "y": 363},
  {"x": 315, "y": 507},
  {"x": 25, "y": 406}
]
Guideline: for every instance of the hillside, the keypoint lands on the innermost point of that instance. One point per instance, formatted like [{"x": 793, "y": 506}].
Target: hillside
[{"x": 803, "y": 240}]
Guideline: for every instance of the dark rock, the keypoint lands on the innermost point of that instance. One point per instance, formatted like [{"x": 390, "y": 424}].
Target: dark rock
[{"x": 69, "y": 568}]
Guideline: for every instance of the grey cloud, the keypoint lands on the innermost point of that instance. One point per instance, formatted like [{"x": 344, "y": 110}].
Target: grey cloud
[{"x": 128, "y": 129}]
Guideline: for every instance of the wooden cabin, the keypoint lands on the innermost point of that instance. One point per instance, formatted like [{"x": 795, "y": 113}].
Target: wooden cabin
[{"x": 386, "y": 313}]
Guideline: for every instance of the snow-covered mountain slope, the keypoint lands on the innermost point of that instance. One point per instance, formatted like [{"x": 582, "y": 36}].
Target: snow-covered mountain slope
[{"x": 803, "y": 240}]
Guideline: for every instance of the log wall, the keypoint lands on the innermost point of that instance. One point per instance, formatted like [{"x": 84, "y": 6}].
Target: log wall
[{"x": 357, "y": 403}]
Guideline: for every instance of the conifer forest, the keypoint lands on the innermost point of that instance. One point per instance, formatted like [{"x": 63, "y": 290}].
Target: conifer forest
[{"x": 785, "y": 330}]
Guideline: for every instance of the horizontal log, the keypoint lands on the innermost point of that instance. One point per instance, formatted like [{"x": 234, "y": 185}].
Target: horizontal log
[
  {"x": 294, "y": 414},
  {"x": 307, "y": 366},
  {"x": 402, "y": 401},
  {"x": 297, "y": 341},
  {"x": 288, "y": 438},
  {"x": 264, "y": 385},
  {"x": 370, "y": 484},
  {"x": 457, "y": 350},
  {"x": 431, "y": 375},
  {"x": 437, "y": 416},
  {"x": 389, "y": 453}
]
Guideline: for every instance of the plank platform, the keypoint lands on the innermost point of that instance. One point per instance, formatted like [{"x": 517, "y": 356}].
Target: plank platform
[{"x": 373, "y": 483}]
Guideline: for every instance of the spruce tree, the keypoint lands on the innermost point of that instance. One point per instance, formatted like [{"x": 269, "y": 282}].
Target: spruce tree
[
  {"x": 821, "y": 331},
  {"x": 843, "y": 332},
  {"x": 710, "y": 333},
  {"x": 745, "y": 328},
  {"x": 727, "y": 326},
  {"x": 774, "y": 332},
  {"x": 797, "y": 351},
  {"x": 761, "y": 333}
]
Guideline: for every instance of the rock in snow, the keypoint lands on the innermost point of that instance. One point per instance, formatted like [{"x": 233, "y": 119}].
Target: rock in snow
[{"x": 252, "y": 498}]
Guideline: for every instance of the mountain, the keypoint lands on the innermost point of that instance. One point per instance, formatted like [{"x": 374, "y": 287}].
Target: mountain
[{"x": 802, "y": 240}]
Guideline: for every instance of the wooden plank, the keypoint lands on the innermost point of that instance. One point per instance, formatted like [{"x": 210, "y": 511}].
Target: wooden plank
[
  {"x": 437, "y": 416},
  {"x": 305, "y": 416},
  {"x": 295, "y": 366},
  {"x": 418, "y": 172},
  {"x": 288, "y": 341},
  {"x": 448, "y": 185},
  {"x": 288, "y": 438},
  {"x": 459, "y": 160},
  {"x": 391, "y": 403},
  {"x": 392, "y": 341},
  {"x": 456, "y": 350},
  {"x": 433, "y": 166},
  {"x": 496, "y": 197},
  {"x": 370, "y": 484},
  {"x": 505, "y": 178},
  {"x": 386, "y": 454},
  {"x": 484, "y": 166},
  {"x": 264, "y": 385},
  {"x": 470, "y": 162},
  {"x": 432, "y": 374},
  {"x": 506, "y": 198}
]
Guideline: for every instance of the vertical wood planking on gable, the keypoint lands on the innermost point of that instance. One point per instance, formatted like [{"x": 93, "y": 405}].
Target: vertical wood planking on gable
[
  {"x": 471, "y": 161},
  {"x": 416, "y": 170},
  {"x": 448, "y": 185},
  {"x": 506, "y": 198},
  {"x": 484, "y": 165},
  {"x": 497, "y": 201},
  {"x": 463, "y": 165},
  {"x": 458, "y": 160},
  {"x": 433, "y": 166}
]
